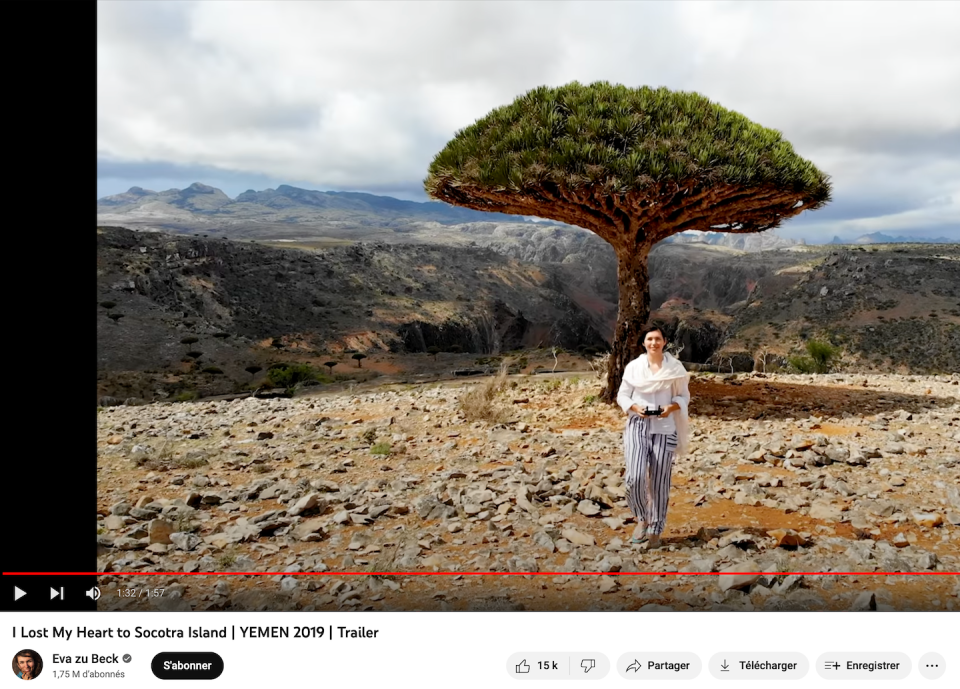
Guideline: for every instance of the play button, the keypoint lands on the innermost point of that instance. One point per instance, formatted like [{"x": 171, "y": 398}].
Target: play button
[{"x": 18, "y": 593}]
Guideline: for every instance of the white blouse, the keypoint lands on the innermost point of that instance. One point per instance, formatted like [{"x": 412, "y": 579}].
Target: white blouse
[{"x": 628, "y": 395}]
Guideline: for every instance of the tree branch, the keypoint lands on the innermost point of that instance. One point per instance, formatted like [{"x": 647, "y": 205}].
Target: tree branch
[{"x": 638, "y": 218}]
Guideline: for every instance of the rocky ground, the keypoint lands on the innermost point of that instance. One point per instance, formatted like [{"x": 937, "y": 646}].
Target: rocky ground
[{"x": 787, "y": 476}]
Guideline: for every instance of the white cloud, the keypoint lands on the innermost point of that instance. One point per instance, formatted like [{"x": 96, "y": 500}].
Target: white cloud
[{"x": 363, "y": 95}]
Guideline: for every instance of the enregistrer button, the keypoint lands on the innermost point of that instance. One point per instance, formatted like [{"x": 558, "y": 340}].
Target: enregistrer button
[
  {"x": 187, "y": 665},
  {"x": 849, "y": 666}
]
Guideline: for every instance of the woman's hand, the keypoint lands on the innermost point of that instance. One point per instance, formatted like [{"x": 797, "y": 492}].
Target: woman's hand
[{"x": 670, "y": 408}]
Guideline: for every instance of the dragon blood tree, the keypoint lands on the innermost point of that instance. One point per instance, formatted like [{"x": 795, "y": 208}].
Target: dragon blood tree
[{"x": 634, "y": 166}]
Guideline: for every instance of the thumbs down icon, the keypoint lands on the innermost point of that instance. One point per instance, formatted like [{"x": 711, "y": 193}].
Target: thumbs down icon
[{"x": 588, "y": 664}]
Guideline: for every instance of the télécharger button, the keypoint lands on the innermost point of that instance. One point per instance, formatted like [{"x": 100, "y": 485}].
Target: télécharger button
[
  {"x": 187, "y": 665},
  {"x": 766, "y": 666}
]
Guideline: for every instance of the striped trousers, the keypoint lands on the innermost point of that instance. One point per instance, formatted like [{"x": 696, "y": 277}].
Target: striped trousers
[{"x": 649, "y": 462}]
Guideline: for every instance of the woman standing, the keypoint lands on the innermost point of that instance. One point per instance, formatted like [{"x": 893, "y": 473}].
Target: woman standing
[{"x": 655, "y": 395}]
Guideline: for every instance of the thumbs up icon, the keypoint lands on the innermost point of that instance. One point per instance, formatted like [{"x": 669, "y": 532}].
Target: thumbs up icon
[{"x": 523, "y": 667}]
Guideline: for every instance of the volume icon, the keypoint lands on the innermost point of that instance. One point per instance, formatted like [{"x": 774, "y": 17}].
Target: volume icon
[{"x": 93, "y": 593}]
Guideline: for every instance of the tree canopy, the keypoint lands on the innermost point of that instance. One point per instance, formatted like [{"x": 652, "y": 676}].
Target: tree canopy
[{"x": 602, "y": 156}]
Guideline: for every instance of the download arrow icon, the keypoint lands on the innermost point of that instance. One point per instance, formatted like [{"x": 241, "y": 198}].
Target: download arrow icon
[{"x": 725, "y": 667}]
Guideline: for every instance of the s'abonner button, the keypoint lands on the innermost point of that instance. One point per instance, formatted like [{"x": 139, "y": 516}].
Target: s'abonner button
[{"x": 187, "y": 665}]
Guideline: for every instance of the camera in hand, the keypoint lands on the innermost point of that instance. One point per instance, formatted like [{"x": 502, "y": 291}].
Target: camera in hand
[{"x": 653, "y": 411}]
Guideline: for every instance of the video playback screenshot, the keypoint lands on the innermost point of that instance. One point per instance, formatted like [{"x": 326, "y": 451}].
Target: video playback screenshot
[{"x": 491, "y": 342}]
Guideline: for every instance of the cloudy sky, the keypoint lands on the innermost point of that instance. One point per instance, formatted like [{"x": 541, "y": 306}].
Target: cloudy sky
[{"x": 362, "y": 95}]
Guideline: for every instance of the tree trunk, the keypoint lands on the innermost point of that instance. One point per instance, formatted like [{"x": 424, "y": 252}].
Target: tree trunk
[{"x": 634, "y": 310}]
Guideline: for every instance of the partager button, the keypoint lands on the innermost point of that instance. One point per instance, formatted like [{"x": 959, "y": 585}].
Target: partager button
[{"x": 659, "y": 666}]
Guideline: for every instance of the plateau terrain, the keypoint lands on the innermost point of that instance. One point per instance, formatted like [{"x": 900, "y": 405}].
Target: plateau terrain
[{"x": 792, "y": 483}]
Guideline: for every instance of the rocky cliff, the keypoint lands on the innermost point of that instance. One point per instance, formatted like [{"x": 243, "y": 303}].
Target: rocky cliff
[
  {"x": 238, "y": 299},
  {"x": 887, "y": 307}
]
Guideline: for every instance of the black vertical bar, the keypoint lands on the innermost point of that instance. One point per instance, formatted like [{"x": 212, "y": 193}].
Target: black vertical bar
[{"x": 50, "y": 465}]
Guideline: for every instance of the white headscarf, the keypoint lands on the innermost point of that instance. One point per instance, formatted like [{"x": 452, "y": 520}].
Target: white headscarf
[{"x": 647, "y": 381}]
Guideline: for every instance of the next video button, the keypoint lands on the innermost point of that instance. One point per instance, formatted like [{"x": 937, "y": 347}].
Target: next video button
[{"x": 187, "y": 665}]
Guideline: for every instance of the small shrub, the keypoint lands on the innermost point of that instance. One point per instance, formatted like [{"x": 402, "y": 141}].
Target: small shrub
[
  {"x": 190, "y": 462},
  {"x": 358, "y": 357},
  {"x": 289, "y": 375},
  {"x": 189, "y": 340},
  {"x": 115, "y": 317},
  {"x": 823, "y": 355},
  {"x": 194, "y": 354},
  {"x": 261, "y": 468},
  {"x": 369, "y": 436},
  {"x": 185, "y": 525},
  {"x": 330, "y": 365},
  {"x": 187, "y": 396},
  {"x": 215, "y": 370},
  {"x": 590, "y": 399},
  {"x": 108, "y": 304},
  {"x": 380, "y": 449},
  {"x": 478, "y": 403},
  {"x": 253, "y": 369}
]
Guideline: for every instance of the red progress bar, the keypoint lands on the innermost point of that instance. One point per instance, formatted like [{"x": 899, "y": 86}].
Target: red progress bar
[{"x": 463, "y": 574}]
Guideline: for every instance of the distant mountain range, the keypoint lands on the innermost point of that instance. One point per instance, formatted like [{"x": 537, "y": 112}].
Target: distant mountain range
[
  {"x": 289, "y": 212},
  {"x": 880, "y": 238},
  {"x": 761, "y": 241},
  {"x": 288, "y": 203}
]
